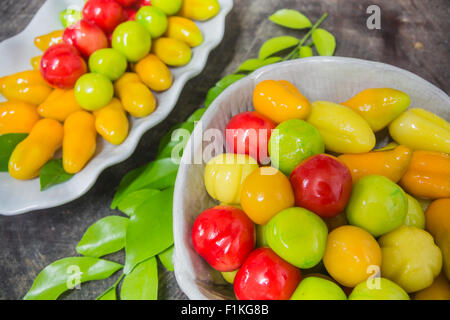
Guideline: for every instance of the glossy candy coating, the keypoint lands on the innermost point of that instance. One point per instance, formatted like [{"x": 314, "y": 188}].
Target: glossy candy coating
[
  {"x": 249, "y": 133},
  {"x": 322, "y": 184},
  {"x": 265, "y": 276},
  {"x": 17, "y": 117},
  {"x": 377, "y": 205},
  {"x": 350, "y": 251},
  {"x": 292, "y": 142},
  {"x": 298, "y": 236},
  {"x": 265, "y": 192},
  {"x": 93, "y": 91},
  {"x": 224, "y": 236}
]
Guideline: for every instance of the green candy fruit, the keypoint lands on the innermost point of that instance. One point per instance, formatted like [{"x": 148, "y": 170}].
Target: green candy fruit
[
  {"x": 132, "y": 40},
  {"x": 315, "y": 288},
  {"x": 383, "y": 290},
  {"x": 415, "y": 216},
  {"x": 153, "y": 19},
  {"x": 292, "y": 142},
  {"x": 377, "y": 205},
  {"x": 170, "y": 7},
  {"x": 93, "y": 91},
  {"x": 298, "y": 236},
  {"x": 108, "y": 62}
]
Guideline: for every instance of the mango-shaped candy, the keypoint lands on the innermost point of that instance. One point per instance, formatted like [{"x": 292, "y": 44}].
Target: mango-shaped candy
[
  {"x": 379, "y": 106},
  {"x": 154, "y": 73},
  {"x": 185, "y": 30},
  {"x": 280, "y": 101},
  {"x": 17, "y": 117},
  {"x": 79, "y": 142},
  {"x": 410, "y": 258},
  {"x": 342, "y": 129},
  {"x": 26, "y": 86},
  {"x": 439, "y": 290},
  {"x": 391, "y": 164},
  {"x": 59, "y": 105},
  {"x": 428, "y": 175},
  {"x": 173, "y": 52},
  {"x": 438, "y": 224},
  {"x": 36, "y": 150},
  {"x": 199, "y": 9},
  {"x": 224, "y": 175},
  {"x": 47, "y": 40},
  {"x": 136, "y": 97},
  {"x": 420, "y": 129},
  {"x": 112, "y": 123}
]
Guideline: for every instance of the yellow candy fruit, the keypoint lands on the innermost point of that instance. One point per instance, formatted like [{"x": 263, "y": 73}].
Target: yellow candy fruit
[
  {"x": 420, "y": 129},
  {"x": 47, "y": 40},
  {"x": 379, "y": 106},
  {"x": 154, "y": 73},
  {"x": 59, "y": 105},
  {"x": 172, "y": 52},
  {"x": 112, "y": 123},
  {"x": 17, "y": 117},
  {"x": 79, "y": 142},
  {"x": 199, "y": 9},
  {"x": 36, "y": 150},
  {"x": 224, "y": 175},
  {"x": 410, "y": 258},
  {"x": 265, "y": 192},
  {"x": 26, "y": 86},
  {"x": 136, "y": 97},
  {"x": 185, "y": 30},
  {"x": 342, "y": 129},
  {"x": 350, "y": 254}
]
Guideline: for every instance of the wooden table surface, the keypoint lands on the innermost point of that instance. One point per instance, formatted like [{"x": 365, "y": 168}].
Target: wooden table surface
[{"x": 414, "y": 35}]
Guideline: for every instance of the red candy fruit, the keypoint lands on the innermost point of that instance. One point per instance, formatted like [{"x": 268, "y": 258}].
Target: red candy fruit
[
  {"x": 224, "y": 236},
  {"x": 107, "y": 14},
  {"x": 86, "y": 37},
  {"x": 62, "y": 65},
  {"x": 249, "y": 133},
  {"x": 127, "y": 3},
  {"x": 265, "y": 276},
  {"x": 322, "y": 184}
]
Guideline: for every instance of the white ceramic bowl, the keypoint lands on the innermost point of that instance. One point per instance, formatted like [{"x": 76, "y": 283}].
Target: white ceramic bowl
[
  {"x": 320, "y": 78},
  {"x": 22, "y": 196}
]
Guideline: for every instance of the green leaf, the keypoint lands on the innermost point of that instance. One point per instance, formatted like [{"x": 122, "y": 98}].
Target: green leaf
[
  {"x": 197, "y": 115},
  {"x": 133, "y": 200},
  {"x": 166, "y": 258},
  {"x": 109, "y": 294},
  {"x": 271, "y": 60},
  {"x": 305, "y": 52},
  {"x": 251, "y": 65},
  {"x": 324, "y": 41},
  {"x": 159, "y": 174},
  {"x": 168, "y": 146},
  {"x": 229, "y": 80},
  {"x": 142, "y": 282},
  {"x": 65, "y": 274},
  {"x": 275, "y": 45},
  {"x": 150, "y": 229},
  {"x": 70, "y": 16},
  {"x": 290, "y": 19},
  {"x": 104, "y": 237},
  {"x": 52, "y": 173},
  {"x": 212, "y": 94},
  {"x": 8, "y": 143}
]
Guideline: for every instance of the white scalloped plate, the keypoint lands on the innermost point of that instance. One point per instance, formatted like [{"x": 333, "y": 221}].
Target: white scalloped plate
[
  {"x": 319, "y": 78},
  {"x": 18, "y": 197}
]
